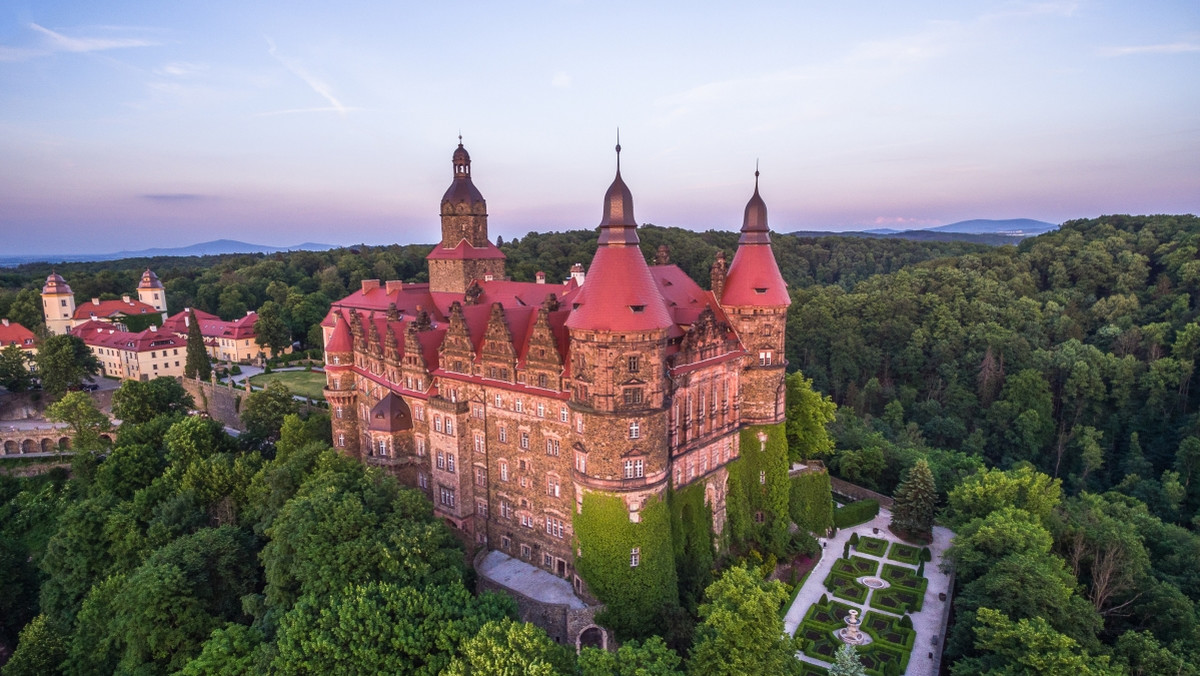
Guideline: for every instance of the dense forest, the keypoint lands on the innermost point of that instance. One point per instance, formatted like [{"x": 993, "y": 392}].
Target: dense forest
[{"x": 1046, "y": 385}]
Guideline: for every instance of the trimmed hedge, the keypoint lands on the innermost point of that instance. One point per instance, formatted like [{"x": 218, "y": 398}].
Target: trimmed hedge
[{"x": 855, "y": 513}]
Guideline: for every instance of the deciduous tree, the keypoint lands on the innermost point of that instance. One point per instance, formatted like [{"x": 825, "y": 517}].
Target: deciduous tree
[
  {"x": 64, "y": 362},
  {"x": 742, "y": 632},
  {"x": 509, "y": 648},
  {"x": 141, "y": 401},
  {"x": 14, "y": 369},
  {"x": 78, "y": 410}
]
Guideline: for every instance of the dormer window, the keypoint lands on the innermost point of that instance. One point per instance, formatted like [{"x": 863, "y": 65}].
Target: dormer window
[
  {"x": 638, "y": 308},
  {"x": 760, "y": 289}
]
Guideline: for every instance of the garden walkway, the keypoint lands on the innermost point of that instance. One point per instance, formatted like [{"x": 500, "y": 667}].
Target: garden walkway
[{"x": 929, "y": 622}]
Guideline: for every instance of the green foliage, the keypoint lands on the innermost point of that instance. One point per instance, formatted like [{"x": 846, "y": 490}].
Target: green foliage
[
  {"x": 846, "y": 663},
  {"x": 759, "y": 483},
  {"x": 14, "y": 369},
  {"x": 741, "y": 632},
  {"x": 141, "y": 401},
  {"x": 649, "y": 658},
  {"x": 270, "y": 329},
  {"x": 233, "y": 650},
  {"x": 810, "y": 503},
  {"x": 635, "y": 597},
  {"x": 64, "y": 362},
  {"x": 40, "y": 650},
  {"x": 197, "y": 365},
  {"x": 692, "y": 540},
  {"x": 1029, "y": 646},
  {"x": 78, "y": 410},
  {"x": 808, "y": 412},
  {"x": 508, "y": 648},
  {"x": 263, "y": 412},
  {"x": 914, "y": 501},
  {"x": 855, "y": 513},
  {"x": 384, "y": 628},
  {"x": 993, "y": 489}
]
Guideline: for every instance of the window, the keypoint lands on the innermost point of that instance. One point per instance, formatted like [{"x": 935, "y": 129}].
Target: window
[
  {"x": 764, "y": 358},
  {"x": 552, "y": 488},
  {"x": 481, "y": 508},
  {"x": 759, "y": 517},
  {"x": 505, "y": 509},
  {"x": 503, "y": 470},
  {"x": 762, "y": 476},
  {"x": 341, "y": 439},
  {"x": 480, "y": 476},
  {"x": 450, "y": 463},
  {"x": 479, "y": 447},
  {"x": 555, "y": 527},
  {"x": 525, "y": 440},
  {"x": 477, "y": 411},
  {"x": 691, "y": 469},
  {"x": 579, "y": 423},
  {"x": 419, "y": 411},
  {"x": 542, "y": 381},
  {"x": 581, "y": 463},
  {"x": 526, "y": 552},
  {"x": 633, "y": 468},
  {"x": 437, "y": 423},
  {"x": 505, "y": 542},
  {"x": 503, "y": 432},
  {"x": 450, "y": 426},
  {"x": 446, "y": 496},
  {"x": 520, "y": 405},
  {"x": 422, "y": 480},
  {"x": 635, "y": 557},
  {"x": 547, "y": 560},
  {"x": 525, "y": 519},
  {"x": 635, "y": 364},
  {"x": 541, "y": 409},
  {"x": 633, "y": 395},
  {"x": 499, "y": 402},
  {"x": 562, "y": 414},
  {"x": 635, "y": 430},
  {"x": 420, "y": 447},
  {"x": 383, "y": 447},
  {"x": 441, "y": 460},
  {"x": 552, "y": 447}
]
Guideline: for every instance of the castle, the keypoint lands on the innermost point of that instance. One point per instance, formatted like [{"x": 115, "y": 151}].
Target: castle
[{"x": 507, "y": 402}]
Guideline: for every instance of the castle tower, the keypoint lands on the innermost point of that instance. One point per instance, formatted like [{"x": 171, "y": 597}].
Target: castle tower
[
  {"x": 151, "y": 292},
  {"x": 340, "y": 387},
  {"x": 58, "y": 305},
  {"x": 465, "y": 254},
  {"x": 756, "y": 299},
  {"x": 618, "y": 332}
]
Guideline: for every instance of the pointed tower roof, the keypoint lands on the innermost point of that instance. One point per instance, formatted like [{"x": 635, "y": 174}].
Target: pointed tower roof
[
  {"x": 753, "y": 278},
  {"x": 620, "y": 294},
  {"x": 462, "y": 190},
  {"x": 55, "y": 284},
  {"x": 149, "y": 280},
  {"x": 341, "y": 340}
]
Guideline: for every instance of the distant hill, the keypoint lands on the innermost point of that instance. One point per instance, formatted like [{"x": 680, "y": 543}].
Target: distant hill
[
  {"x": 1013, "y": 227},
  {"x": 214, "y": 248}
]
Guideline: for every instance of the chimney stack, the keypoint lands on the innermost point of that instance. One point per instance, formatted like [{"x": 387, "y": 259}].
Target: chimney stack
[{"x": 393, "y": 285}]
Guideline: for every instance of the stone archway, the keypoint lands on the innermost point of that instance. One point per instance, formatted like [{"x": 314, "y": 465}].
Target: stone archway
[
  {"x": 592, "y": 636},
  {"x": 47, "y": 445},
  {"x": 64, "y": 444},
  {"x": 29, "y": 446},
  {"x": 10, "y": 447}
]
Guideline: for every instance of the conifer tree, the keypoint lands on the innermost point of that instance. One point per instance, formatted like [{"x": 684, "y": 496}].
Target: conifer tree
[
  {"x": 846, "y": 663},
  {"x": 197, "y": 365},
  {"x": 915, "y": 501}
]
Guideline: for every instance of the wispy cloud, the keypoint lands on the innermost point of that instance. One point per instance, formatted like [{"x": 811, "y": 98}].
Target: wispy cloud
[
  {"x": 180, "y": 69},
  {"x": 316, "y": 84},
  {"x": 1168, "y": 48},
  {"x": 561, "y": 79},
  {"x": 58, "y": 42},
  {"x": 175, "y": 197},
  {"x": 317, "y": 109}
]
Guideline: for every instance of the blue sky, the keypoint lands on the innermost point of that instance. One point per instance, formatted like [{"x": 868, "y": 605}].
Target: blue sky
[{"x": 131, "y": 124}]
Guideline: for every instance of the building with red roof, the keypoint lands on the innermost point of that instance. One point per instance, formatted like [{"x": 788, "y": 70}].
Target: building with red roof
[
  {"x": 129, "y": 355},
  {"x": 62, "y": 313},
  {"x": 506, "y": 402},
  {"x": 231, "y": 341},
  {"x": 12, "y": 333}
]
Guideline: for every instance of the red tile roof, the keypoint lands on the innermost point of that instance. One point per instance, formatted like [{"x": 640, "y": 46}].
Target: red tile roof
[
  {"x": 464, "y": 250},
  {"x": 619, "y": 294},
  {"x": 12, "y": 333},
  {"x": 212, "y": 326},
  {"x": 102, "y": 334},
  {"x": 340, "y": 340},
  {"x": 108, "y": 309},
  {"x": 754, "y": 279}
]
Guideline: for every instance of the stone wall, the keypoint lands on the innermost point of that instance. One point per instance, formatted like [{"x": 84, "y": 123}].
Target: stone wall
[
  {"x": 221, "y": 402},
  {"x": 843, "y": 487}
]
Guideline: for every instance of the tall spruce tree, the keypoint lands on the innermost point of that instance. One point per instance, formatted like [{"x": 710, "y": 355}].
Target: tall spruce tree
[
  {"x": 916, "y": 498},
  {"x": 846, "y": 663},
  {"x": 197, "y": 365}
]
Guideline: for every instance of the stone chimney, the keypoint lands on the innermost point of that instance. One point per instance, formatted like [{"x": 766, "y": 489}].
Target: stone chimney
[
  {"x": 125, "y": 299},
  {"x": 369, "y": 285},
  {"x": 5, "y": 322},
  {"x": 540, "y": 277},
  {"x": 95, "y": 301},
  {"x": 577, "y": 273},
  {"x": 393, "y": 285},
  {"x": 154, "y": 328}
]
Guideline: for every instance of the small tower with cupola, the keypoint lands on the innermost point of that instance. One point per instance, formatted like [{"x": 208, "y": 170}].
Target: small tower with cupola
[
  {"x": 58, "y": 305},
  {"x": 756, "y": 299},
  {"x": 465, "y": 253},
  {"x": 340, "y": 387},
  {"x": 151, "y": 292}
]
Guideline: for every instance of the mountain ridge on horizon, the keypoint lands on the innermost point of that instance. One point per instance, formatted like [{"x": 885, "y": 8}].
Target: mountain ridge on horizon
[{"x": 215, "y": 247}]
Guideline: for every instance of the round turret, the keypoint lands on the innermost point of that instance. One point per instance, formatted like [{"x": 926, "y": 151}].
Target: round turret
[
  {"x": 56, "y": 285},
  {"x": 149, "y": 280}
]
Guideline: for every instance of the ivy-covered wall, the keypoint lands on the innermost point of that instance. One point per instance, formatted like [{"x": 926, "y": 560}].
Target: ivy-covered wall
[
  {"x": 692, "y": 538},
  {"x": 811, "y": 501},
  {"x": 635, "y": 598},
  {"x": 758, "y": 481}
]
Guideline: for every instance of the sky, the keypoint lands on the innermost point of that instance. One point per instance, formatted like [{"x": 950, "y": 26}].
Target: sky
[{"x": 126, "y": 125}]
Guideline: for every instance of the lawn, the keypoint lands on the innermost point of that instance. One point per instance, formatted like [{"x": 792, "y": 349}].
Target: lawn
[{"x": 304, "y": 383}]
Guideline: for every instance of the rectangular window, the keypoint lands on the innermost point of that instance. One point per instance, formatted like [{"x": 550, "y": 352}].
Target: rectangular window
[
  {"x": 525, "y": 440},
  {"x": 383, "y": 447},
  {"x": 764, "y": 358},
  {"x": 503, "y": 470},
  {"x": 479, "y": 448},
  {"x": 639, "y": 469},
  {"x": 525, "y": 519},
  {"x": 554, "y": 527},
  {"x": 633, "y": 395},
  {"x": 628, "y": 469},
  {"x": 422, "y": 480},
  {"x": 437, "y": 423},
  {"x": 520, "y": 405},
  {"x": 477, "y": 411},
  {"x": 562, "y": 414},
  {"x": 635, "y": 364},
  {"x": 541, "y": 409},
  {"x": 446, "y": 496},
  {"x": 635, "y": 557},
  {"x": 481, "y": 508},
  {"x": 450, "y": 426},
  {"x": 526, "y": 552},
  {"x": 480, "y": 476},
  {"x": 635, "y": 430},
  {"x": 505, "y": 509},
  {"x": 581, "y": 463},
  {"x": 505, "y": 542},
  {"x": 552, "y": 488},
  {"x": 503, "y": 432},
  {"x": 552, "y": 447},
  {"x": 441, "y": 460},
  {"x": 419, "y": 411},
  {"x": 420, "y": 447},
  {"x": 450, "y": 463},
  {"x": 499, "y": 402}
]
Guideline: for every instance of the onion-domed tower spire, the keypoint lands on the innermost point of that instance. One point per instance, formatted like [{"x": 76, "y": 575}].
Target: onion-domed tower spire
[
  {"x": 58, "y": 304},
  {"x": 755, "y": 297},
  {"x": 465, "y": 254}
]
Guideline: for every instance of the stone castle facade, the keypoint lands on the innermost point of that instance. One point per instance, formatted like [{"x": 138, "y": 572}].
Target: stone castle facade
[{"x": 506, "y": 402}]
